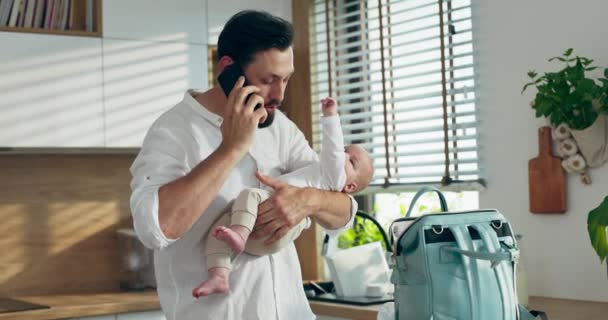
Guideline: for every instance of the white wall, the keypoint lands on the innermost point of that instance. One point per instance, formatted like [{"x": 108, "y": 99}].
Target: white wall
[{"x": 513, "y": 37}]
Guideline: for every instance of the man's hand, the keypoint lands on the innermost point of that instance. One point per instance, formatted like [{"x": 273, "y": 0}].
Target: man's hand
[
  {"x": 329, "y": 107},
  {"x": 240, "y": 120},
  {"x": 282, "y": 211}
]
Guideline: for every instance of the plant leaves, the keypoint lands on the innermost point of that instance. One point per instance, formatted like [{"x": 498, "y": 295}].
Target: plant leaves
[
  {"x": 558, "y": 58},
  {"x": 568, "y": 52},
  {"x": 597, "y": 221},
  {"x": 586, "y": 61},
  {"x": 532, "y": 74}
]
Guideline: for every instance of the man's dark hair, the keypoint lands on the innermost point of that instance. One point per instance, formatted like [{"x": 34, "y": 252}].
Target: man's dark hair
[{"x": 249, "y": 32}]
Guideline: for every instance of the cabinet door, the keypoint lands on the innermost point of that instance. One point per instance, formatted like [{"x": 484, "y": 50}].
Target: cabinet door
[
  {"x": 158, "y": 20},
  {"x": 50, "y": 91},
  {"x": 219, "y": 11},
  {"x": 107, "y": 317},
  {"x": 147, "y": 315},
  {"x": 143, "y": 79}
]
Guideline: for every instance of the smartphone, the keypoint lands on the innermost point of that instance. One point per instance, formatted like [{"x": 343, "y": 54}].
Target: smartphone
[{"x": 228, "y": 78}]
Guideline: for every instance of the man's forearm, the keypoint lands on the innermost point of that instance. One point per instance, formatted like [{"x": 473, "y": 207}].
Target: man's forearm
[
  {"x": 333, "y": 208},
  {"x": 181, "y": 202}
]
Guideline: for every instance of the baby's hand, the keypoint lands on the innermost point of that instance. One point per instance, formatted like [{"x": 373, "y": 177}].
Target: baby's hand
[{"x": 329, "y": 107}]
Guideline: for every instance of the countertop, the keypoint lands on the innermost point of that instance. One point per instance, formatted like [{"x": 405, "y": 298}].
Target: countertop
[
  {"x": 556, "y": 309},
  {"x": 82, "y": 305}
]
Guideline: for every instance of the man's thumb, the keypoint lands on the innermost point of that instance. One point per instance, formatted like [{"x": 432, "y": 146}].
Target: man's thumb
[{"x": 271, "y": 182}]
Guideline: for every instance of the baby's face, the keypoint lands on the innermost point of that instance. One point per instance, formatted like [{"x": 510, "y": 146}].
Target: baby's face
[{"x": 358, "y": 163}]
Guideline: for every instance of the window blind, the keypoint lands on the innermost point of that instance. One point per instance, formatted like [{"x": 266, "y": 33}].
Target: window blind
[{"x": 402, "y": 73}]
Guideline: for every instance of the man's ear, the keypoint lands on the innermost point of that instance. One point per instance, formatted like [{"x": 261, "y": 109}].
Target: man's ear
[
  {"x": 223, "y": 63},
  {"x": 350, "y": 187}
]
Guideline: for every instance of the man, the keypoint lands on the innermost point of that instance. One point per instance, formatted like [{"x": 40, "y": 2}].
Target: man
[{"x": 200, "y": 154}]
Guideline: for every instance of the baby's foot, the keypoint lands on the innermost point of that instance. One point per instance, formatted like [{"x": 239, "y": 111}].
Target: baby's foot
[
  {"x": 217, "y": 283},
  {"x": 232, "y": 238}
]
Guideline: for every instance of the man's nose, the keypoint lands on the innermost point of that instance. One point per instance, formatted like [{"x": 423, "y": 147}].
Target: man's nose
[{"x": 277, "y": 91}]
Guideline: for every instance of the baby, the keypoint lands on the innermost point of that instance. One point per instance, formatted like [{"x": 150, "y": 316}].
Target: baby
[{"x": 342, "y": 169}]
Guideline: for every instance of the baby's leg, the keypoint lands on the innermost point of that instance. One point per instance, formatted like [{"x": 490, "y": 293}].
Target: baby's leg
[
  {"x": 218, "y": 264},
  {"x": 234, "y": 236},
  {"x": 244, "y": 214},
  {"x": 216, "y": 283}
]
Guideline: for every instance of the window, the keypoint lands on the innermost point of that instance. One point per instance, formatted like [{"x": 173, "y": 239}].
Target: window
[{"x": 402, "y": 73}]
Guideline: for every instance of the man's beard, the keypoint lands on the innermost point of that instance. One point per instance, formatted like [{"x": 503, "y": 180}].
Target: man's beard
[
  {"x": 268, "y": 121},
  {"x": 270, "y": 115}
]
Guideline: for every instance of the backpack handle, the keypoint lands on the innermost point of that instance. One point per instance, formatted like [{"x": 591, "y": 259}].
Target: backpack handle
[{"x": 442, "y": 201}]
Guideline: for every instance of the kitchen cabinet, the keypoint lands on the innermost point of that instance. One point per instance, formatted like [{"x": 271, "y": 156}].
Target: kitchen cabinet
[
  {"x": 219, "y": 11},
  {"x": 51, "y": 91},
  {"x": 155, "y": 20},
  {"x": 107, "y": 317},
  {"x": 146, "y": 315},
  {"x": 143, "y": 79}
]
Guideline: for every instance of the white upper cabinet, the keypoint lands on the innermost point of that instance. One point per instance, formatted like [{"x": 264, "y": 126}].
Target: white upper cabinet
[
  {"x": 51, "y": 92},
  {"x": 156, "y": 20},
  {"x": 142, "y": 80},
  {"x": 219, "y": 11}
]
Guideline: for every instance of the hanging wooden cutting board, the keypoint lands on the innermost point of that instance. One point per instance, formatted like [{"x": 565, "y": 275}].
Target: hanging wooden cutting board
[{"x": 546, "y": 178}]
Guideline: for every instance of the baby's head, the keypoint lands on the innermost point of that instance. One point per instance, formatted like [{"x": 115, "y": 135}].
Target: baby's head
[{"x": 359, "y": 169}]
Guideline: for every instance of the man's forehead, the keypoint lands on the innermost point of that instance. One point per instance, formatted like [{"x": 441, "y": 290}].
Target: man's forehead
[{"x": 274, "y": 62}]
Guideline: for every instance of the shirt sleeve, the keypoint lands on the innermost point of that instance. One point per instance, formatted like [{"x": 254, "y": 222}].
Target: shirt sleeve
[
  {"x": 299, "y": 153},
  {"x": 353, "y": 212},
  {"x": 160, "y": 161},
  {"x": 333, "y": 175}
]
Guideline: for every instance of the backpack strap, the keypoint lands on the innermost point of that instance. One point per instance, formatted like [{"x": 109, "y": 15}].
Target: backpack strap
[
  {"x": 465, "y": 247},
  {"x": 508, "y": 288},
  {"x": 496, "y": 255},
  {"x": 422, "y": 191}
]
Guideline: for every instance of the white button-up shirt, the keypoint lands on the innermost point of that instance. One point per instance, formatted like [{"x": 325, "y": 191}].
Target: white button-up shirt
[{"x": 264, "y": 287}]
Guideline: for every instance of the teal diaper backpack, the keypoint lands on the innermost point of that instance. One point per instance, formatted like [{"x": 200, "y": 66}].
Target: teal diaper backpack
[{"x": 455, "y": 266}]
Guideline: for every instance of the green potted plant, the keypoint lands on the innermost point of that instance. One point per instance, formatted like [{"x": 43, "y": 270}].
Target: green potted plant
[
  {"x": 568, "y": 95},
  {"x": 576, "y": 106},
  {"x": 597, "y": 224}
]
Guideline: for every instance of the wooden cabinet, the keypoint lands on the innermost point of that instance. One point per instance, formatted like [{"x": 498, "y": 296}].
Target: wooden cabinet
[
  {"x": 143, "y": 79},
  {"x": 51, "y": 91}
]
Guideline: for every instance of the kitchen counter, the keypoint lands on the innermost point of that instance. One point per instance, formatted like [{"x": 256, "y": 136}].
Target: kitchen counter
[
  {"x": 556, "y": 309},
  {"x": 83, "y": 305}
]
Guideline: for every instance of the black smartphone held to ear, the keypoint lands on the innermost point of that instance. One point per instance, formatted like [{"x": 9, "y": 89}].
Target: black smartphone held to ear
[{"x": 229, "y": 76}]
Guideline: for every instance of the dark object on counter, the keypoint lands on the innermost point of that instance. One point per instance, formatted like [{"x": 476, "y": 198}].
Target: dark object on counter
[
  {"x": 315, "y": 292},
  {"x": 137, "y": 266},
  {"x": 546, "y": 178},
  {"x": 12, "y": 305}
]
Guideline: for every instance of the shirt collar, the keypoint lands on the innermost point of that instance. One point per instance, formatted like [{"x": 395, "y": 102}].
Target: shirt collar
[{"x": 215, "y": 119}]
